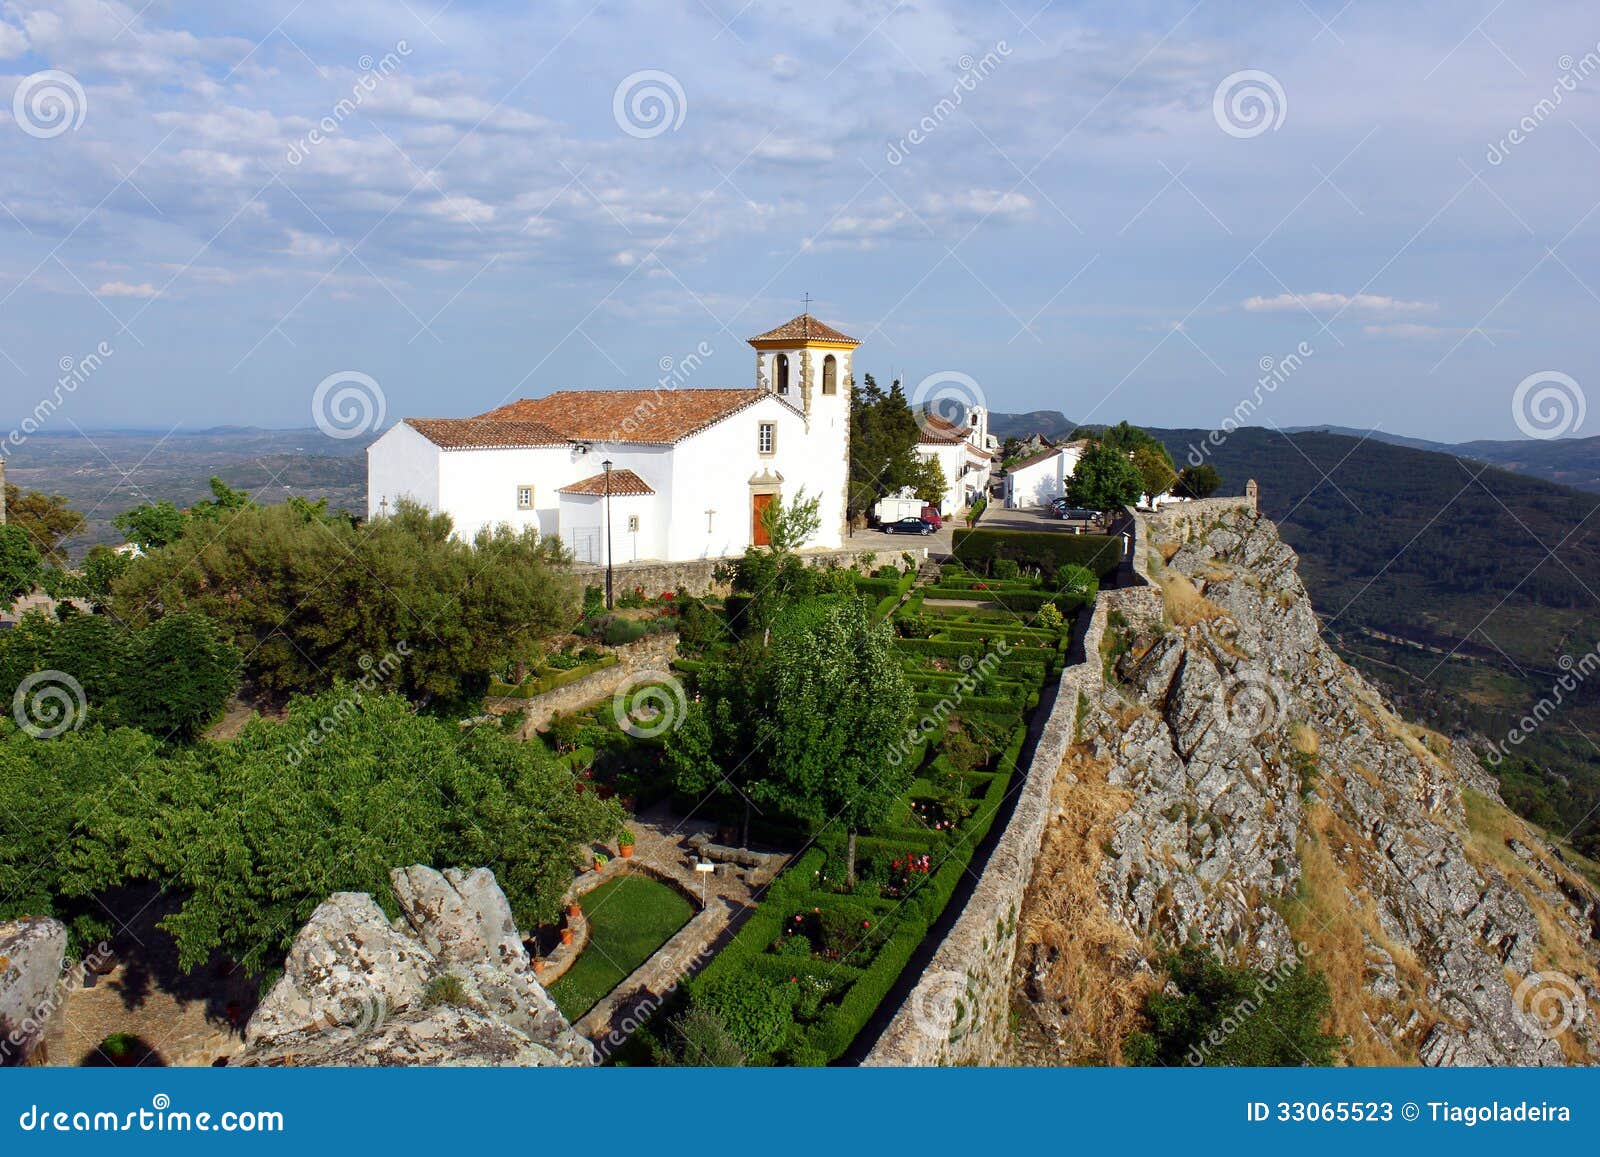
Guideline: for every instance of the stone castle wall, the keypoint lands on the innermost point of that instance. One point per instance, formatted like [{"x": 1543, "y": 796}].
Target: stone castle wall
[
  {"x": 959, "y": 1011},
  {"x": 696, "y": 576}
]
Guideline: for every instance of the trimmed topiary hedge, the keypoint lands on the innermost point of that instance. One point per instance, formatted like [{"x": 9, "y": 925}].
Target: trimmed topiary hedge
[{"x": 1045, "y": 549}]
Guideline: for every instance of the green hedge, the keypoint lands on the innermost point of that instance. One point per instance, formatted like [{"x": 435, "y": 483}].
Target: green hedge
[
  {"x": 1045, "y": 549},
  {"x": 552, "y": 679}
]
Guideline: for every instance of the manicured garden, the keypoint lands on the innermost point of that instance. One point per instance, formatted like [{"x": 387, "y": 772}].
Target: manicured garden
[
  {"x": 805, "y": 974},
  {"x": 629, "y": 917}
]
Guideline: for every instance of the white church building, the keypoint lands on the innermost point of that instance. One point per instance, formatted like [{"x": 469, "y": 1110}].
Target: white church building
[{"x": 684, "y": 473}]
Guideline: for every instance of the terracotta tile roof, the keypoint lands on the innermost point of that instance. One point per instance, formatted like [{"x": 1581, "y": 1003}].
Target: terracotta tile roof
[
  {"x": 624, "y": 483},
  {"x": 936, "y": 431},
  {"x": 476, "y": 433},
  {"x": 654, "y": 416},
  {"x": 804, "y": 328},
  {"x": 1033, "y": 459}
]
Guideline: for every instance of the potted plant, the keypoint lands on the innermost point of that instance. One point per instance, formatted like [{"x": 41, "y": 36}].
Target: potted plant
[
  {"x": 566, "y": 934},
  {"x": 600, "y": 861},
  {"x": 625, "y": 843},
  {"x": 574, "y": 909},
  {"x": 121, "y": 1049},
  {"x": 538, "y": 964}
]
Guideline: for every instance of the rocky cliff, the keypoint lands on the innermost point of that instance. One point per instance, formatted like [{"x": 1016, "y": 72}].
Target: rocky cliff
[
  {"x": 1234, "y": 783},
  {"x": 448, "y": 984}
]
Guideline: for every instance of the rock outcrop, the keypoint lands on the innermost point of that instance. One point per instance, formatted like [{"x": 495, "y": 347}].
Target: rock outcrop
[
  {"x": 1237, "y": 784},
  {"x": 32, "y": 951},
  {"x": 448, "y": 984}
]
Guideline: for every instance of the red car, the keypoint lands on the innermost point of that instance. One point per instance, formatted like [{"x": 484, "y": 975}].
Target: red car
[{"x": 931, "y": 514}]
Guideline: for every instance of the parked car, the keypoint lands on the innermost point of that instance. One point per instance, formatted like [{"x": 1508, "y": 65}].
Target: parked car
[
  {"x": 909, "y": 526},
  {"x": 931, "y": 514},
  {"x": 1079, "y": 514},
  {"x": 1057, "y": 505}
]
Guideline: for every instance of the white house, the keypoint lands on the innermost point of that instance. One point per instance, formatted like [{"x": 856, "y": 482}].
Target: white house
[
  {"x": 1035, "y": 480},
  {"x": 965, "y": 453},
  {"x": 671, "y": 474}
]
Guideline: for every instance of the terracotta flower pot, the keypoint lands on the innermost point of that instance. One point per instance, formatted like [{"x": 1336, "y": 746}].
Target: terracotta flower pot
[
  {"x": 566, "y": 936},
  {"x": 538, "y": 965},
  {"x": 574, "y": 910},
  {"x": 599, "y": 865},
  {"x": 627, "y": 851}
]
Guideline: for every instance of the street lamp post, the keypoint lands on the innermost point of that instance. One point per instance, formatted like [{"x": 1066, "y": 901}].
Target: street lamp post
[{"x": 606, "y": 466}]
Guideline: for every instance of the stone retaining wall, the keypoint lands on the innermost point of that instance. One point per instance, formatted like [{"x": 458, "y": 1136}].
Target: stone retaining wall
[
  {"x": 959, "y": 1011},
  {"x": 1182, "y": 517},
  {"x": 651, "y": 653},
  {"x": 695, "y": 576}
]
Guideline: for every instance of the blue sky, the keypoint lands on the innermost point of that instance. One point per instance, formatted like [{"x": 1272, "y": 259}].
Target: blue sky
[{"x": 1081, "y": 231}]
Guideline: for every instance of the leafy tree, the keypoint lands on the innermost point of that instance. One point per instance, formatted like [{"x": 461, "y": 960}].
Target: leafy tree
[
  {"x": 1104, "y": 479},
  {"x": 307, "y": 600},
  {"x": 20, "y": 564},
  {"x": 883, "y": 442},
  {"x": 224, "y": 500},
  {"x": 179, "y": 674},
  {"x": 928, "y": 481},
  {"x": 1155, "y": 470},
  {"x": 254, "y": 833},
  {"x": 1224, "y": 1015},
  {"x": 790, "y": 525},
  {"x": 46, "y": 519},
  {"x": 153, "y": 525},
  {"x": 101, "y": 568},
  {"x": 1128, "y": 438},
  {"x": 1199, "y": 481},
  {"x": 806, "y": 725}
]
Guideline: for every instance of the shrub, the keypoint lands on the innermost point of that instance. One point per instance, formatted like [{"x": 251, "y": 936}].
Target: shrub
[
  {"x": 1050, "y": 617},
  {"x": 1223, "y": 1015},
  {"x": 1047, "y": 550},
  {"x": 447, "y": 989},
  {"x": 1005, "y": 568},
  {"x": 757, "y": 1013}
]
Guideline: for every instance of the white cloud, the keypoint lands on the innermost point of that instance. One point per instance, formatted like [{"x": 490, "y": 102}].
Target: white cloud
[
  {"x": 13, "y": 41},
  {"x": 124, "y": 289},
  {"x": 1361, "y": 302},
  {"x": 792, "y": 149}
]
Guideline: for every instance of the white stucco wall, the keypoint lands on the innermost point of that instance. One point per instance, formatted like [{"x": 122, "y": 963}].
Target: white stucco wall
[
  {"x": 582, "y": 527},
  {"x": 401, "y": 464}
]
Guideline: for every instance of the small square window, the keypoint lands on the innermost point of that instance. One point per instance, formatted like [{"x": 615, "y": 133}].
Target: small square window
[
  {"x": 766, "y": 437},
  {"x": 524, "y": 498}
]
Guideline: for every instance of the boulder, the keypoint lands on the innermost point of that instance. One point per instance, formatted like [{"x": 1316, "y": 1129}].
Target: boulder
[{"x": 32, "y": 951}]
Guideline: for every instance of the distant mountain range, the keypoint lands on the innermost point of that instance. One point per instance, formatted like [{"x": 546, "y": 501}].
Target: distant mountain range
[{"x": 1571, "y": 462}]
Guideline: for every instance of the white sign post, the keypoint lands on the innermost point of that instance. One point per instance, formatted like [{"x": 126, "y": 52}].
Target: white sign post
[{"x": 705, "y": 867}]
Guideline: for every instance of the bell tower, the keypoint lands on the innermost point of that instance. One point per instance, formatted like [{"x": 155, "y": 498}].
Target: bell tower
[{"x": 807, "y": 363}]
